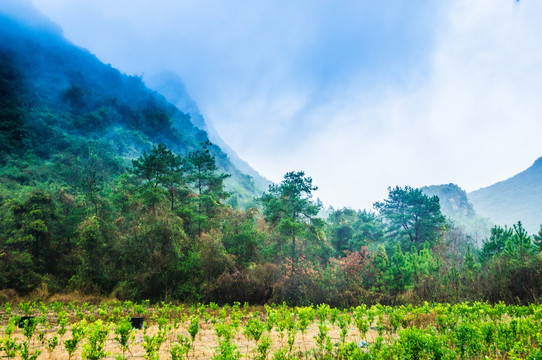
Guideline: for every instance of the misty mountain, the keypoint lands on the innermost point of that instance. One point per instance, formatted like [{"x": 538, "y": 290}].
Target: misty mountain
[
  {"x": 57, "y": 98},
  {"x": 516, "y": 199},
  {"x": 456, "y": 206},
  {"x": 171, "y": 86}
]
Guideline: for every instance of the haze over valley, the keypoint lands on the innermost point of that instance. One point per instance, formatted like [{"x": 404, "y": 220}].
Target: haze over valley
[{"x": 360, "y": 95}]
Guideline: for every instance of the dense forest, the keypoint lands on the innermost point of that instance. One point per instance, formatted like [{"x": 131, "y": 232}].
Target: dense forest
[
  {"x": 107, "y": 189},
  {"x": 160, "y": 229}
]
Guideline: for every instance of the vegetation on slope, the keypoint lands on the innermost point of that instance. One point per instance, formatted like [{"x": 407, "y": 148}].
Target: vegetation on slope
[
  {"x": 518, "y": 198},
  {"x": 456, "y": 207},
  {"x": 105, "y": 188}
]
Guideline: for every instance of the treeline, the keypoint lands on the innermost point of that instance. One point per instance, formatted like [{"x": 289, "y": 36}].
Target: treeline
[{"x": 160, "y": 229}]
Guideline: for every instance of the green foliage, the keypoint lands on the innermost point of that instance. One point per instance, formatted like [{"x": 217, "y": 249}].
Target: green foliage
[
  {"x": 289, "y": 209},
  {"x": 496, "y": 242},
  {"x": 412, "y": 216},
  {"x": 79, "y": 331},
  {"x": 123, "y": 334},
  {"x": 162, "y": 172},
  {"x": 208, "y": 184},
  {"x": 29, "y": 327},
  {"x": 537, "y": 239},
  {"x": 429, "y": 331},
  {"x": 193, "y": 328},
  {"x": 9, "y": 344},
  {"x": 179, "y": 350},
  {"x": 74, "y": 218},
  {"x": 152, "y": 344},
  {"x": 350, "y": 230}
]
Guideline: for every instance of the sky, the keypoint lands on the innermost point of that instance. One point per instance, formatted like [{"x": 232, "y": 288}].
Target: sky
[{"x": 361, "y": 95}]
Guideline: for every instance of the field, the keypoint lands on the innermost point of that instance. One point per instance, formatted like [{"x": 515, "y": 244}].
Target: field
[{"x": 432, "y": 331}]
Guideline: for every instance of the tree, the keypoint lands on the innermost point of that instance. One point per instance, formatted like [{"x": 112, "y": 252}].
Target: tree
[
  {"x": 350, "y": 230},
  {"x": 496, "y": 242},
  {"x": 537, "y": 239},
  {"x": 412, "y": 215},
  {"x": 519, "y": 246},
  {"x": 162, "y": 170},
  {"x": 400, "y": 273},
  {"x": 341, "y": 228},
  {"x": 288, "y": 207},
  {"x": 202, "y": 174}
]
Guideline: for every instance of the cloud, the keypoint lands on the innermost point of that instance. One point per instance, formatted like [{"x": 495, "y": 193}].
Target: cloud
[
  {"x": 361, "y": 95},
  {"x": 474, "y": 120}
]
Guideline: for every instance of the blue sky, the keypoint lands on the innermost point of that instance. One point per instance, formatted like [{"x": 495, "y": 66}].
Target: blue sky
[{"x": 361, "y": 95}]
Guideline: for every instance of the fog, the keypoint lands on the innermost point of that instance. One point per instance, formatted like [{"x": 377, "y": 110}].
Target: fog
[{"x": 360, "y": 95}]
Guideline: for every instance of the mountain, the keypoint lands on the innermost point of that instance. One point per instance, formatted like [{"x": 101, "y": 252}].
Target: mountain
[
  {"x": 57, "y": 99},
  {"x": 171, "y": 86},
  {"x": 516, "y": 199},
  {"x": 455, "y": 205}
]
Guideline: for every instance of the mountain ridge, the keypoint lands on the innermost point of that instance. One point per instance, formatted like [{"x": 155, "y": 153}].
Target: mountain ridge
[
  {"x": 55, "y": 93},
  {"x": 518, "y": 198},
  {"x": 171, "y": 86},
  {"x": 456, "y": 206}
]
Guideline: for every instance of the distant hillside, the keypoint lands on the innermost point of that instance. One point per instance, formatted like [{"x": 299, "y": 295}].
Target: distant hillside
[
  {"x": 171, "y": 86},
  {"x": 57, "y": 98},
  {"x": 455, "y": 206},
  {"x": 516, "y": 199}
]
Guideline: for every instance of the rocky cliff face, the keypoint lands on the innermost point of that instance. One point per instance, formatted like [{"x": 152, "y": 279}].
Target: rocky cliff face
[{"x": 455, "y": 205}]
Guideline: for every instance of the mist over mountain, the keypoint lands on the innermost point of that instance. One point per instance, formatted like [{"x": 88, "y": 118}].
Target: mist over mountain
[
  {"x": 171, "y": 86},
  {"x": 456, "y": 206},
  {"x": 58, "y": 98},
  {"x": 518, "y": 198}
]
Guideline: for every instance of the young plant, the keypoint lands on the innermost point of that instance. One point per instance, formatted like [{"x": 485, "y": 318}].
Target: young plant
[
  {"x": 272, "y": 317},
  {"x": 291, "y": 328},
  {"x": 78, "y": 332},
  {"x": 94, "y": 348},
  {"x": 254, "y": 328},
  {"x": 51, "y": 344},
  {"x": 62, "y": 321},
  {"x": 123, "y": 334},
  {"x": 26, "y": 308},
  {"x": 29, "y": 327},
  {"x": 25, "y": 352},
  {"x": 344, "y": 320},
  {"x": 263, "y": 347},
  {"x": 322, "y": 311},
  {"x": 179, "y": 350},
  {"x": 226, "y": 349},
  {"x": 193, "y": 327},
  {"x": 152, "y": 344},
  {"x": 9, "y": 344},
  {"x": 334, "y": 314},
  {"x": 306, "y": 316},
  {"x": 323, "y": 339}
]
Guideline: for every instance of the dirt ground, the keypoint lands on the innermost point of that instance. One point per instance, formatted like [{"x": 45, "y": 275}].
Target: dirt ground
[{"x": 205, "y": 343}]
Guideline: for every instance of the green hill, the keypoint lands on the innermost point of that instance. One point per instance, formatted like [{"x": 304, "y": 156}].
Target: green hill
[
  {"x": 455, "y": 205},
  {"x": 172, "y": 87},
  {"x": 516, "y": 199},
  {"x": 57, "y": 99}
]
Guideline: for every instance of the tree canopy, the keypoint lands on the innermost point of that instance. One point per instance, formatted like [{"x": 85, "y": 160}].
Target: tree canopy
[
  {"x": 289, "y": 207},
  {"x": 412, "y": 216}
]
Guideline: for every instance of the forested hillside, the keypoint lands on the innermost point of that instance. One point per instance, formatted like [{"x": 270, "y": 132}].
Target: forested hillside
[
  {"x": 57, "y": 95},
  {"x": 108, "y": 189},
  {"x": 171, "y": 86},
  {"x": 456, "y": 206}
]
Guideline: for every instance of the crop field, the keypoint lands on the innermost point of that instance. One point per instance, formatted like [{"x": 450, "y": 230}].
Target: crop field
[{"x": 110, "y": 331}]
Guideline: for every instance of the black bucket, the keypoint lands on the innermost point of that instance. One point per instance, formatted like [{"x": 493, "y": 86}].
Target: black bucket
[
  {"x": 137, "y": 322},
  {"x": 25, "y": 318}
]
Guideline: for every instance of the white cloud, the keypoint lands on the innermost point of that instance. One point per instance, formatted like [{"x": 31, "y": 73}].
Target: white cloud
[
  {"x": 475, "y": 120},
  {"x": 350, "y": 98}
]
